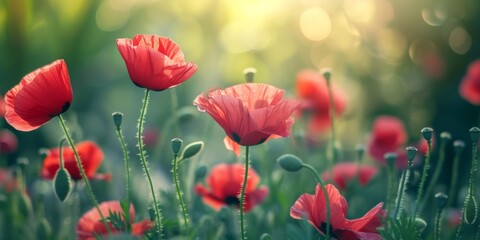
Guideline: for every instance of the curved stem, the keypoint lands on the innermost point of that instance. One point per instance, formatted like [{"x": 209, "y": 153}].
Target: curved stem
[
  {"x": 424, "y": 177},
  {"x": 436, "y": 173},
  {"x": 438, "y": 227},
  {"x": 242, "y": 193},
  {"x": 179, "y": 192},
  {"x": 325, "y": 193},
  {"x": 144, "y": 163},
  {"x": 82, "y": 172}
]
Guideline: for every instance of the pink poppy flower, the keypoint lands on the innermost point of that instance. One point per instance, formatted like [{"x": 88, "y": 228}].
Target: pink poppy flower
[
  {"x": 224, "y": 184},
  {"x": 40, "y": 96},
  {"x": 249, "y": 113},
  {"x": 388, "y": 135},
  {"x": 90, "y": 223},
  {"x": 345, "y": 172},
  {"x": 8, "y": 141},
  {"x": 154, "y": 62},
  {"x": 470, "y": 86},
  {"x": 312, "y": 88},
  {"x": 313, "y": 209}
]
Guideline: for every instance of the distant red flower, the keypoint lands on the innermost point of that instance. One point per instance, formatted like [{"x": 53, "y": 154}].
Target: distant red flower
[
  {"x": 388, "y": 134},
  {"x": 345, "y": 172},
  {"x": 313, "y": 209},
  {"x": 40, "y": 96},
  {"x": 90, "y": 223},
  {"x": 154, "y": 62},
  {"x": 91, "y": 156},
  {"x": 224, "y": 185},
  {"x": 249, "y": 113},
  {"x": 470, "y": 86},
  {"x": 8, "y": 141},
  {"x": 7, "y": 181},
  {"x": 3, "y": 106},
  {"x": 312, "y": 87}
]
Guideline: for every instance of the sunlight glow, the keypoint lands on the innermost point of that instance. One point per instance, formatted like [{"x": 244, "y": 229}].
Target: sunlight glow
[{"x": 315, "y": 24}]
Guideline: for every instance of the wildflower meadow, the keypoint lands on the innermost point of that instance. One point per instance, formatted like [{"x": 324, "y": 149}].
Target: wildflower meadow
[{"x": 151, "y": 119}]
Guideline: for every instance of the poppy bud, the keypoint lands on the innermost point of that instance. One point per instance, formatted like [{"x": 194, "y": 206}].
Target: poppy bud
[
  {"x": 43, "y": 152},
  {"x": 474, "y": 134},
  {"x": 446, "y": 136},
  {"x": 427, "y": 133},
  {"x": 192, "y": 149},
  {"x": 411, "y": 152},
  {"x": 117, "y": 119},
  {"x": 176, "y": 145},
  {"x": 420, "y": 224},
  {"x": 441, "y": 199},
  {"x": 290, "y": 162},
  {"x": 62, "y": 184},
  {"x": 249, "y": 74},
  {"x": 200, "y": 172},
  {"x": 390, "y": 158},
  {"x": 327, "y": 73},
  {"x": 459, "y": 145},
  {"x": 470, "y": 211}
]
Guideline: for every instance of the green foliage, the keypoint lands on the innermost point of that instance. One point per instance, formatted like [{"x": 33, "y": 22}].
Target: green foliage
[{"x": 403, "y": 227}]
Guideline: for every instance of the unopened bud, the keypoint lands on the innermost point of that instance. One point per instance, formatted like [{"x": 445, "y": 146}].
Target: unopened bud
[
  {"x": 390, "y": 158},
  {"x": 441, "y": 199},
  {"x": 471, "y": 208},
  {"x": 249, "y": 74},
  {"x": 411, "y": 152},
  {"x": 192, "y": 149},
  {"x": 290, "y": 162},
  {"x": 427, "y": 133},
  {"x": 117, "y": 119},
  {"x": 326, "y": 73},
  {"x": 62, "y": 184},
  {"x": 176, "y": 145},
  {"x": 459, "y": 145},
  {"x": 474, "y": 134}
]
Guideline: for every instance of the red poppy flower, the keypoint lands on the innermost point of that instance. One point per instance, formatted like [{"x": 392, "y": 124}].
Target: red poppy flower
[
  {"x": 249, "y": 113},
  {"x": 3, "y": 106},
  {"x": 91, "y": 157},
  {"x": 225, "y": 182},
  {"x": 40, "y": 96},
  {"x": 470, "y": 86},
  {"x": 312, "y": 87},
  {"x": 345, "y": 172},
  {"x": 90, "y": 223},
  {"x": 8, "y": 141},
  {"x": 313, "y": 208},
  {"x": 155, "y": 62},
  {"x": 388, "y": 134}
]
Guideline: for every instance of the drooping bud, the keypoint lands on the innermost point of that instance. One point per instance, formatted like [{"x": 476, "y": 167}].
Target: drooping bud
[
  {"x": 176, "y": 145},
  {"x": 427, "y": 133},
  {"x": 117, "y": 119},
  {"x": 62, "y": 183},
  {"x": 441, "y": 199},
  {"x": 290, "y": 162},
  {"x": 192, "y": 149},
  {"x": 249, "y": 74},
  {"x": 474, "y": 134}
]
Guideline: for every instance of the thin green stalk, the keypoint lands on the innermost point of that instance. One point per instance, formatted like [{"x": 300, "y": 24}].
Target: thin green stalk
[
  {"x": 82, "y": 172},
  {"x": 179, "y": 192},
  {"x": 438, "y": 170},
  {"x": 242, "y": 193},
  {"x": 453, "y": 183},
  {"x": 332, "y": 122},
  {"x": 390, "y": 185},
  {"x": 128, "y": 187},
  {"x": 401, "y": 191},
  {"x": 438, "y": 227},
  {"x": 325, "y": 193},
  {"x": 144, "y": 163},
  {"x": 424, "y": 177}
]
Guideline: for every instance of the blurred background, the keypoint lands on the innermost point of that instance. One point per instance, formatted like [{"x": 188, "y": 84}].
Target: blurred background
[{"x": 401, "y": 58}]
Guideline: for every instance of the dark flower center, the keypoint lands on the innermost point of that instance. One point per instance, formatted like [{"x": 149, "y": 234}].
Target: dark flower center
[
  {"x": 236, "y": 138},
  {"x": 323, "y": 228},
  {"x": 232, "y": 201}
]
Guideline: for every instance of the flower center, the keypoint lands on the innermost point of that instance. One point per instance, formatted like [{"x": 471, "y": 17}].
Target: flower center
[{"x": 232, "y": 201}]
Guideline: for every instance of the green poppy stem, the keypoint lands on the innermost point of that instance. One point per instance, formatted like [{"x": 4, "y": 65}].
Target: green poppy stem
[
  {"x": 179, "y": 192},
  {"x": 426, "y": 167},
  {"x": 144, "y": 162},
  {"x": 82, "y": 172},
  {"x": 128, "y": 187},
  {"x": 242, "y": 193},
  {"x": 325, "y": 193}
]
